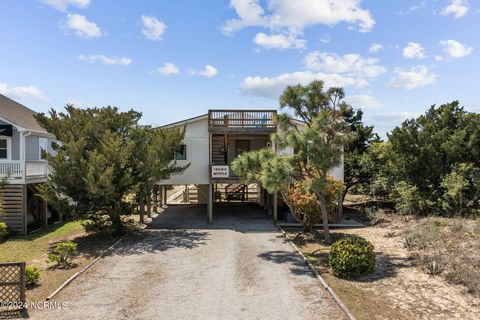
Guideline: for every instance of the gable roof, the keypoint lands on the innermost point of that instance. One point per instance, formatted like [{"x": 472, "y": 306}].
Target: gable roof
[
  {"x": 19, "y": 115},
  {"x": 183, "y": 122}
]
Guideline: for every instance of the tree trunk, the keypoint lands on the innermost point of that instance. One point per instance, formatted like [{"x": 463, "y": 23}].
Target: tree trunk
[
  {"x": 116, "y": 221},
  {"x": 323, "y": 208},
  {"x": 141, "y": 205}
]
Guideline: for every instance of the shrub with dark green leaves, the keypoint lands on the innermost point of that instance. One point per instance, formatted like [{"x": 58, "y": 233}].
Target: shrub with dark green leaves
[
  {"x": 3, "y": 230},
  {"x": 63, "y": 254},
  {"x": 32, "y": 276},
  {"x": 352, "y": 257}
]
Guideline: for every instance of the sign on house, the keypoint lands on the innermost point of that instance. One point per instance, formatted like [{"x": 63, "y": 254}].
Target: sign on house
[{"x": 220, "y": 171}]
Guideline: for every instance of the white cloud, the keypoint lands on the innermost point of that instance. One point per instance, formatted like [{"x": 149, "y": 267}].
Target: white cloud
[
  {"x": 438, "y": 58},
  {"x": 105, "y": 59},
  {"x": 457, "y": 8},
  {"x": 209, "y": 71},
  {"x": 413, "y": 51},
  {"x": 363, "y": 101},
  {"x": 23, "y": 92},
  {"x": 153, "y": 28},
  {"x": 278, "y": 41},
  {"x": 325, "y": 38},
  {"x": 455, "y": 49},
  {"x": 273, "y": 87},
  {"x": 296, "y": 15},
  {"x": 63, "y": 5},
  {"x": 82, "y": 26},
  {"x": 375, "y": 47},
  {"x": 412, "y": 78},
  {"x": 351, "y": 64},
  {"x": 292, "y": 17},
  {"x": 167, "y": 69}
]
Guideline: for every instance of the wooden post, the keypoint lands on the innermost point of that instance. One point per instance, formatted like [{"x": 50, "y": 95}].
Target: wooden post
[
  {"x": 45, "y": 213},
  {"x": 24, "y": 207},
  {"x": 155, "y": 198},
  {"x": 149, "y": 202},
  {"x": 165, "y": 195},
  {"x": 210, "y": 203},
  {"x": 22, "y": 282},
  {"x": 142, "y": 206},
  {"x": 160, "y": 195},
  {"x": 275, "y": 206}
]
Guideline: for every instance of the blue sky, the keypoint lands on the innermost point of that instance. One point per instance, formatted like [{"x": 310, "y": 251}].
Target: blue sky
[{"x": 176, "y": 59}]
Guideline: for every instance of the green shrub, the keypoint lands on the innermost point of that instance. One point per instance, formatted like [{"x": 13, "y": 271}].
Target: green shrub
[
  {"x": 3, "y": 230},
  {"x": 32, "y": 276},
  {"x": 63, "y": 253},
  {"x": 352, "y": 257}
]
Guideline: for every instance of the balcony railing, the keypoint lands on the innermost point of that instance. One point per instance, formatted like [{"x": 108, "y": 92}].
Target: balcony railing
[
  {"x": 12, "y": 169},
  {"x": 18, "y": 170},
  {"x": 242, "y": 119}
]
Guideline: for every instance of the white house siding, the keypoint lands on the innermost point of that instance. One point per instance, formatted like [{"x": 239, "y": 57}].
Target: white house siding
[
  {"x": 196, "y": 140},
  {"x": 32, "y": 151},
  {"x": 15, "y": 145}
]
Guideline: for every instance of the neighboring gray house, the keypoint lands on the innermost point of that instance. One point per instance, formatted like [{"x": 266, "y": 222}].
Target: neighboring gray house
[{"x": 22, "y": 163}]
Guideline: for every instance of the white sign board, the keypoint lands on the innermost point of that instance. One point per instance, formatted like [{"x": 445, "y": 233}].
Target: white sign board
[{"x": 220, "y": 171}]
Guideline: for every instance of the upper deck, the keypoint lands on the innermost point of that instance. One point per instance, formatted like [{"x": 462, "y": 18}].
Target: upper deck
[{"x": 259, "y": 121}]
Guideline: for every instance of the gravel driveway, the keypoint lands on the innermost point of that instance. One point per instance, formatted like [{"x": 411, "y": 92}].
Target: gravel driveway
[{"x": 182, "y": 268}]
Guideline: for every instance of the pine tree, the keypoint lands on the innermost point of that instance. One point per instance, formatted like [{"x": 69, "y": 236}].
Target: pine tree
[
  {"x": 317, "y": 143},
  {"x": 102, "y": 158}
]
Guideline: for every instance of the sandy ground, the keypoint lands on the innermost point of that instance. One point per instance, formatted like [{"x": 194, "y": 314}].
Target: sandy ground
[
  {"x": 180, "y": 268},
  {"x": 415, "y": 293},
  {"x": 397, "y": 289}
]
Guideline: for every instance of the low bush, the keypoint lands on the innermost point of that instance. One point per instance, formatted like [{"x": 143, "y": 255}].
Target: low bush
[
  {"x": 32, "y": 276},
  {"x": 3, "y": 230},
  {"x": 352, "y": 257},
  {"x": 63, "y": 254}
]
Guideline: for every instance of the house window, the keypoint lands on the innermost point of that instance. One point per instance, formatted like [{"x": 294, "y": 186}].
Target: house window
[
  {"x": 182, "y": 154},
  {"x": 4, "y": 142},
  {"x": 42, "y": 146}
]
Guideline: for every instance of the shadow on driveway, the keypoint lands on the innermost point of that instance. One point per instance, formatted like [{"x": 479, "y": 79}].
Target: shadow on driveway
[{"x": 238, "y": 217}]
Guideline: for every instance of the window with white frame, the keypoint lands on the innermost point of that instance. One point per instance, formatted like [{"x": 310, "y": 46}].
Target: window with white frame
[
  {"x": 43, "y": 147},
  {"x": 182, "y": 153},
  {"x": 4, "y": 148}
]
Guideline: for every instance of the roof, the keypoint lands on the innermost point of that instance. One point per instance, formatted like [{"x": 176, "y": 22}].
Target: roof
[
  {"x": 19, "y": 115},
  {"x": 178, "y": 123}
]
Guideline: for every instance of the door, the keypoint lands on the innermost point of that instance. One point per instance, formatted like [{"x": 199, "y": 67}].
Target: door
[{"x": 241, "y": 146}]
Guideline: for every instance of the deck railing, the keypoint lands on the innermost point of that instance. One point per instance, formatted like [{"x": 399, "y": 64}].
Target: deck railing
[
  {"x": 254, "y": 119},
  {"x": 17, "y": 169},
  {"x": 12, "y": 169}
]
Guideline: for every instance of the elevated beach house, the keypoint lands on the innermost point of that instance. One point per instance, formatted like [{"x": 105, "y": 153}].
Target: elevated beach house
[
  {"x": 212, "y": 141},
  {"x": 22, "y": 166}
]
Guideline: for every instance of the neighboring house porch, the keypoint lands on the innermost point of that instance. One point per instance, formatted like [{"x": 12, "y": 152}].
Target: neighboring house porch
[{"x": 23, "y": 144}]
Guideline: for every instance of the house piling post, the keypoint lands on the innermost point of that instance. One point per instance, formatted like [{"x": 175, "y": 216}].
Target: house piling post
[
  {"x": 142, "y": 206},
  {"x": 149, "y": 202},
  {"x": 155, "y": 198},
  {"x": 275, "y": 206},
  {"x": 210, "y": 203}
]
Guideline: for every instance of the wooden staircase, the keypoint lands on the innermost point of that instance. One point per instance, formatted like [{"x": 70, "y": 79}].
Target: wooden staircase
[
  {"x": 218, "y": 145},
  {"x": 235, "y": 191},
  {"x": 13, "y": 201}
]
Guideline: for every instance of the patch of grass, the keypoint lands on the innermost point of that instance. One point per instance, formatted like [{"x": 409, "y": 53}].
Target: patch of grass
[
  {"x": 32, "y": 246},
  {"x": 34, "y": 249}
]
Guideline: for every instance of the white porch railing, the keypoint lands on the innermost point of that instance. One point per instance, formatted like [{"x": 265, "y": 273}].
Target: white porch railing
[
  {"x": 12, "y": 169},
  {"x": 16, "y": 169}
]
